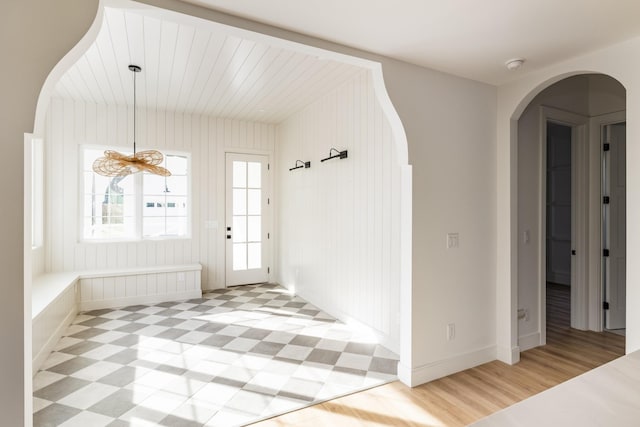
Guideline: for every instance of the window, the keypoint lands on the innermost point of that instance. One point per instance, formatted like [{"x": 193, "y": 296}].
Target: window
[
  {"x": 136, "y": 206},
  {"x": 37, "y": 193}
]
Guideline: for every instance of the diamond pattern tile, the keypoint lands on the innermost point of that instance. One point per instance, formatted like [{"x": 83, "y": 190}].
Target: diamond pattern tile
[{"x": 231, "y": 358}]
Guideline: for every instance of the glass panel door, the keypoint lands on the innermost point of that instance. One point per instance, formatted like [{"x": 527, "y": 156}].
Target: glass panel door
[{"x": 245, "y": 229}]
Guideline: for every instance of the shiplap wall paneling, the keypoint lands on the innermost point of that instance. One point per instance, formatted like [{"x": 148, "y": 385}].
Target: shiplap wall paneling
[
  {"x": 338, "y": 221},
  {"x": 48, "y": 326},
  {"x": 71, "y": 124},
  {"x": 201, "y": 70},
  {"x": 123, "y": 290}
]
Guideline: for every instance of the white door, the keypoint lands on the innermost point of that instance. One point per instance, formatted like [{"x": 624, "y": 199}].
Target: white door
[
  {"x": 247, "y": 205},
  {"x": 615, "y": 226}
]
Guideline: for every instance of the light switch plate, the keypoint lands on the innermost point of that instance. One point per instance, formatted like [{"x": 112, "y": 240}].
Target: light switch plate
[{"x": 453, "y": 240}]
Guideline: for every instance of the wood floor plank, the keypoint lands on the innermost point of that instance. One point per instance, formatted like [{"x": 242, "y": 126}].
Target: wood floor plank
[{"x": 465, "y": 397}]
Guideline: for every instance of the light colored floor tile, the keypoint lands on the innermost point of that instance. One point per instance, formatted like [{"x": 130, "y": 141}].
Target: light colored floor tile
[
  {"x": 108, "y": 336},
  {"x": 269, "y": 380},
  {"x": 183, "y": 386},
  {"x": 253, "y": 362},
  {"x": 229, "y": 418},
  {"x": 241, "y": 344},
  {"x": 217, "y": 394},
  {"x": 198, "y": 411},
  {"x": 313, "y": 371},
  {"x": 295, "y": 352},
  {"x": 354, "y": 361},
  {"x": 163, "y": 402},
  {"x": 66, "y": 342},
  {"x": 151, "y": 310},
  {"x": 45, "y": 378},
  {"x": 96, "y": 371},
  {"x": 88, "y": 396},
  {"x": 39, "y": 404},
  {"x": 103, "y": 352},
  {"x": 181, "y": 381},
  {"x": 140, "y": 392},
  {"x": 86, "y": 419},
  {"x": 113, "y": 324}
]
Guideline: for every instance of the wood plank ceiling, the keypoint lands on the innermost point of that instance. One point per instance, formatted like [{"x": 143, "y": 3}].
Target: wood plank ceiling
[{"x": 200, "y": 69}]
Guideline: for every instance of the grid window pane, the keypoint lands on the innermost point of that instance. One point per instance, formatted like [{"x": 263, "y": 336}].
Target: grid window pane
[
  {"x": 254, "y": 228},
  {"x": 239, "y": 201},
  {"x": 254, "y": 200},
  {"x": 113, "y": 206},
  {"x": 239, "y": 174},
  {"x": 254, "y": 255},
  {"x": 239, "y": 256},
  {"x": 254, "y": 175},
  {"x": 239, "y": 230}
]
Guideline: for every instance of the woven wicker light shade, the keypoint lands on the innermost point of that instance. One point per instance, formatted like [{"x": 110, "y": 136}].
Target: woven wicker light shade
[{"x": 118, "y": 164}]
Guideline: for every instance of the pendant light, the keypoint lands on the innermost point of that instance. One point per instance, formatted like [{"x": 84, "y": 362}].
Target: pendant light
[{"x": 118, "y": 164}]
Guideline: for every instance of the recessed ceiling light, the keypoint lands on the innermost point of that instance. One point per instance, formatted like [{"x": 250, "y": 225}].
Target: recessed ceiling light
[{"x": 514, "y": 64}]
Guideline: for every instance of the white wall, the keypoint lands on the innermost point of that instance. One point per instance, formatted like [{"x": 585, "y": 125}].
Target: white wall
[
  {"x": 450, "y": 127},
  {"x": 74, "y": 123},
  {"x": 338, "y": 227},
  {"x": 587, "y": 95},
  {"x": 622, "y": 62},
  {"x": 53, "y": 30}
]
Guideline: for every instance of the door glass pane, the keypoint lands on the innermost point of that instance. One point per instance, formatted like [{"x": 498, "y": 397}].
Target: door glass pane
[
  {"x": 239, "y": 174},
  {"x": 239, "y": 201},
  {"x": 254, "y": 228},
  {"x": 255, "y": 255},
  {"x": 239, "y": 230},
  {"x": 239, "y": 256},
  {"x": 254, "y": 171},
  {"x": 254, "y": 201}
]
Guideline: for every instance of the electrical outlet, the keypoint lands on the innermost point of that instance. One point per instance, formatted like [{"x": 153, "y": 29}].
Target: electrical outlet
[
  {"x": 453, "y": 240},
  {"x": 451, "y": 331}
]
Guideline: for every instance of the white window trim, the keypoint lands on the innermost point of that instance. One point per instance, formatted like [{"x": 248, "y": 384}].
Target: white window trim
[
  {"x": 37, "y": 193},
  {"x": 138, "y": 198}
]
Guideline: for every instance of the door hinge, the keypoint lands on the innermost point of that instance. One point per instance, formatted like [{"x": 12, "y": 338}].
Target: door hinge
[
  {"x": 605, "y": 200},
  {"x": 606, "y": 146},
  {"x": 268, "y": 166},
  {"x": 605, "y": 252},
  {"x": 268, "y": 270},
  {"x": 268, "y": 201},
  {"x": 605, "y": 305},
  {"x": 268, "y": 235}
]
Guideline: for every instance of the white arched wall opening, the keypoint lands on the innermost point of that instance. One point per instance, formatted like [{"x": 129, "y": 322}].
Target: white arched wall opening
[
  {"x": 618, "y": 62},
  {"x": 399, "y": 140}
]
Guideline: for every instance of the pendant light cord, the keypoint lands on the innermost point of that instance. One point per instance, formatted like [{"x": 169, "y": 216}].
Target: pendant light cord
[{"x": 134, "y": 113}]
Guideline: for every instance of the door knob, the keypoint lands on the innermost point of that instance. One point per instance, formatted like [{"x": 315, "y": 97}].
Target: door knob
[{"x": 573, "y": 251}]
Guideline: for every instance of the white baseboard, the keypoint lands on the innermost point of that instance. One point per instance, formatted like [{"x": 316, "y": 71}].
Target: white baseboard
[
  {"x": 529, "y": 341},
  {"x": 509, "y": 355},
  {"x": 442, "y": 368},
  {"x": 143, "y": 299},
  {"x": 46, "y": 349},
  {"x": 404, "y": 375}
]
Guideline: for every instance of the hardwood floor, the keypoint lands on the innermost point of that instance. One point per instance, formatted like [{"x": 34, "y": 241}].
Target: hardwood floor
[{"x": 465, "y": 397}]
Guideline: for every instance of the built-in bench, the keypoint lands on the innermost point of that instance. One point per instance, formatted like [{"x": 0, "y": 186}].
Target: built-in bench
[{"x": 56, "y": 298}]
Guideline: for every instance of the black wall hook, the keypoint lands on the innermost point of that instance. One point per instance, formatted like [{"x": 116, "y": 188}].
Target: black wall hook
[
  {"x": 339, "y": 154},
  {"x": 302, "y": 164}
]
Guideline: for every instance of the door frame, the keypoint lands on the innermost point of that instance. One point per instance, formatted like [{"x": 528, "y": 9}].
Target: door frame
[
  {"x": 596, "y": 284},
  {"x": 270, "y": 214},
  {"x": 579, "y": 216}
]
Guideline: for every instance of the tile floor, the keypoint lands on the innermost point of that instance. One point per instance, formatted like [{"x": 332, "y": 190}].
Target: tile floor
[{"x": 234, "y": 357}]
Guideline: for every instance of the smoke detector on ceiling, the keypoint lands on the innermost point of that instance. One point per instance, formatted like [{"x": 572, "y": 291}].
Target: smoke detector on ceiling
[{"x": 514, "y": 64}]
